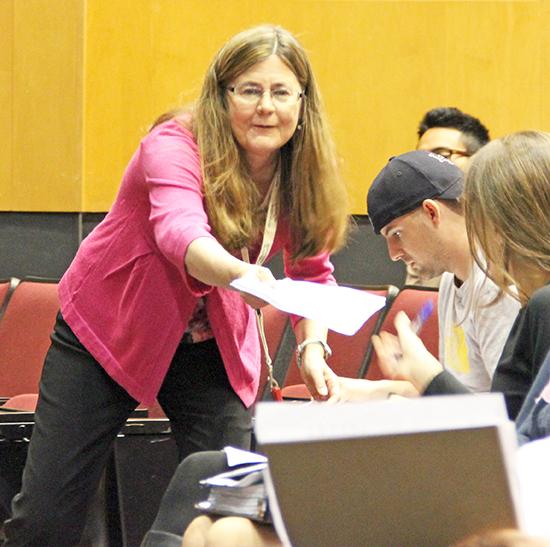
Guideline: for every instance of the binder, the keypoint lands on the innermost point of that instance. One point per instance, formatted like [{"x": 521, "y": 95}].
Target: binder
[
  {"x": 426, "y": 471},
  {"x": 240, "y": 492}
]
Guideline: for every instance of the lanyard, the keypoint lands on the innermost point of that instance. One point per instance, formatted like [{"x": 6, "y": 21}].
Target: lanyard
[{"x": 270, "y": 228}]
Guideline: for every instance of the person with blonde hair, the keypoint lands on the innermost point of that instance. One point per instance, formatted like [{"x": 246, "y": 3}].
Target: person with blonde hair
[
  {"x": 147, "y": 310},
  {"x": 507, "y": 201}
]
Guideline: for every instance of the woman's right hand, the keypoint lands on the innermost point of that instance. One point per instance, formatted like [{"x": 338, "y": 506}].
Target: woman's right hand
[
  {"x": 257, "y": 273},
  {"x": 404, "y": 357}
]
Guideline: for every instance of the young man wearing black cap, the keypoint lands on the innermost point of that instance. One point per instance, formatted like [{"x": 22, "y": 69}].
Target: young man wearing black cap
[{"x": 414, "y": 202}]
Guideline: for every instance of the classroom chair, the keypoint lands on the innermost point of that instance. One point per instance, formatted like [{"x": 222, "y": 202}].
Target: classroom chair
[
  {"x": 7, "y": 286},
  {"x": 25, "y": 331},
  {"x": 25, "y": 402}
]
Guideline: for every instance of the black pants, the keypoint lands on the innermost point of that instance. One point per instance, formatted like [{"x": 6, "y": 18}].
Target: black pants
[
  {"x": 79, "y": 413},
  {"x": 177, "y": 508}
]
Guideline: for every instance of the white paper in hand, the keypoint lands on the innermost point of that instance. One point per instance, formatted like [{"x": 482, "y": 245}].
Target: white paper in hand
[{"x": 341, "y": 309}]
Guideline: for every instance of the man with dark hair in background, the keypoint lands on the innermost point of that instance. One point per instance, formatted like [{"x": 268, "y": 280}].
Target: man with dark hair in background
[{"x": 455, "y": 135}]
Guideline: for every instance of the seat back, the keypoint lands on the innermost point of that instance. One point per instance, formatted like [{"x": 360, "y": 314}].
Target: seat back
[
  {"x": 4, "y": 286},
  {"x": 410, "y": 300},
  {"x": 349, "y": 352},
  {"x": 25, "y": 335},
  {"x": 7, "y": 286},
  {"x": 25, "y": 402}
]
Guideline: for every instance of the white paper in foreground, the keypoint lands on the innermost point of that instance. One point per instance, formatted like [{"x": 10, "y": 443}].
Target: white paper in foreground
[
  {"x": 534, "y": 481},
  {"x": 341, "y": 309},
  {"x": 288, "y": 422}
]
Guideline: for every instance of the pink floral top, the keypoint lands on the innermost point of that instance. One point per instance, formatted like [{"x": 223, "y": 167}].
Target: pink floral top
[{"x": 198, "y": 328}]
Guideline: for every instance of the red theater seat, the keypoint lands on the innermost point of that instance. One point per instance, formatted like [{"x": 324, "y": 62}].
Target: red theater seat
[{"x": 25, "y": 332}]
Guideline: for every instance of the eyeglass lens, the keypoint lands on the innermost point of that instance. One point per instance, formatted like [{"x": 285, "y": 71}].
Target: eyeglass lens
[
  {"x": 251, "y": 94},
  {"x": 449, "y": 152}
]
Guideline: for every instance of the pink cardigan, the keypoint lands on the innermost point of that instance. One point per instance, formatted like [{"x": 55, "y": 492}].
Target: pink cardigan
[{"x": 127, "y": 295}]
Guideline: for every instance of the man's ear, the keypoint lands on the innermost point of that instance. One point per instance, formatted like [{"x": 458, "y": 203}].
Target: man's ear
[{"x": 433, "y": 209}]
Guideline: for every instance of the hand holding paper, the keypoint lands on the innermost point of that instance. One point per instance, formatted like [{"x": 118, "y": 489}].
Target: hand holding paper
[
  {"x": 341, "y": 309},
  {"x": 257, "y": 276}
]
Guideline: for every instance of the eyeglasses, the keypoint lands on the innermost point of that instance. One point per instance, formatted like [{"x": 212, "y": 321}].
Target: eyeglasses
[
  {"x": 450, "y": 152},
  {"x": 249, "y": 95}
]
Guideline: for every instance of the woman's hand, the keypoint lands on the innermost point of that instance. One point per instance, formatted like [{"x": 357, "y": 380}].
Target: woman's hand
[
  {"x": 318, "y": 377},
  {"x": 257, "y": 273},
  {"x": 404, "y": 357}
]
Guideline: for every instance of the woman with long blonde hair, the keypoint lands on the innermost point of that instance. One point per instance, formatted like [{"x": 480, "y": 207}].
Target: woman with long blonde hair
[
  {"x": 507, "y": 208},
  {"x": 147, "y": 310}
]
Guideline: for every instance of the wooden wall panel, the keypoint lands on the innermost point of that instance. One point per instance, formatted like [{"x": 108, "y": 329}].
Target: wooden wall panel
[
  {"x": 482, "y": 57},
  {"x": 145, "y": 57},
  {"x": 544, "y": 91},
  {"x": 6, "y": 101},
  {"x": 380, "y": 65},
  {"x": 93, "y": 74},
  {"x": 119, "y": 88},
  {"x": 47, "y": 106}
]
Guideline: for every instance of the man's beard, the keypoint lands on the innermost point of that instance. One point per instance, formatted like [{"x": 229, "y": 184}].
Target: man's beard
[{"x": 426, "y": 271}]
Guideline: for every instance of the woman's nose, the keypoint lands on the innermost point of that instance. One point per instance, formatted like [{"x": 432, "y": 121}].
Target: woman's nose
[{"x": 265, "y": 104}]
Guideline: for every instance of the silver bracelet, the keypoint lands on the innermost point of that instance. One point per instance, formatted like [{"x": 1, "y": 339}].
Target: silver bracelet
[{"x": 301, "y": 347}]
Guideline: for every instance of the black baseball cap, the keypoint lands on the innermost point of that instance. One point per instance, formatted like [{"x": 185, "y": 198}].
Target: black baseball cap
[{"x": 409, "y": 179}]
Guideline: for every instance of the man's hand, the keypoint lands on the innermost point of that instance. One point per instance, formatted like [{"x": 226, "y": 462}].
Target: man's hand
[{"x": 404, "y": 357}]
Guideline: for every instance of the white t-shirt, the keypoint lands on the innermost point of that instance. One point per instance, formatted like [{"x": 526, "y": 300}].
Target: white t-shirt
[{"x": 470, "y": 347}]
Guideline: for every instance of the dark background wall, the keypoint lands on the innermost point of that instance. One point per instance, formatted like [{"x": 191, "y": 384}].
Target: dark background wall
[{"x": 43, "y": 244}]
